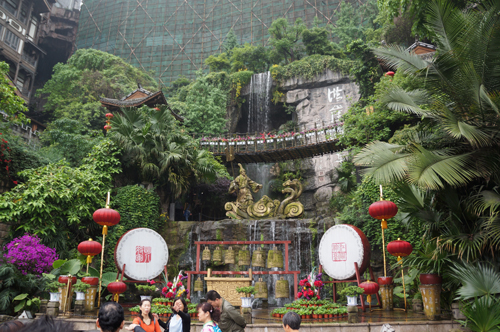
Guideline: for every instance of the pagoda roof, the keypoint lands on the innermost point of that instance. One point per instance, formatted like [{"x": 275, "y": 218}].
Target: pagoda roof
[{"x": 138, "y": 98}]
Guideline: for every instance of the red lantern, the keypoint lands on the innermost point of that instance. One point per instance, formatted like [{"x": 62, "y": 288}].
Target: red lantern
[
  {"x": 370, "y": 288},
  {"x": 389, "y": 73},
  {"x": 106, "y": 217},
  {"x": 107, "y": 127},
  {"x": 116, "y": 288},
  {"x": 109, "y": 115},
  {"x": 383, "y": 210},
  {"x": 399, "y": 248},
  {"x": 89, "y": 248},
  {"x": 157, "y": 108}
]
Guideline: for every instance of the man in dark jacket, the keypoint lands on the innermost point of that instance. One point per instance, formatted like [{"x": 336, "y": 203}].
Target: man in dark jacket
[{"x": 230, "y": 318}]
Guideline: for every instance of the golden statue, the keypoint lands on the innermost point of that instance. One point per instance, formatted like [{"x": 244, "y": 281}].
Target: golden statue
[{"x": 245, "y": 208}]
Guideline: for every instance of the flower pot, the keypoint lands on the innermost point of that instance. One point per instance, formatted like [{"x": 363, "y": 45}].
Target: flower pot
[
  {"x": 330, "y": 315},
  {"x": 386, "y": 294},
  {"x": 90, "y": 296},
  {"x": 145, "y": 297},
  {"x": 246, "y": 302},
  {"x": 430, "y": 279},
  {"x": 55, "y": 297},
  {"x": 352, "y": 300},
  {"x": 385, "y": 281},
  {"x": 80, "y": 296},
  {"x": 92, "y": 281},
  {"x": 64, "y": 280},
  {"x": 431, "y": 300},
  {"x": 308, "y": 316},
  {"x": 315, "y": 316}
]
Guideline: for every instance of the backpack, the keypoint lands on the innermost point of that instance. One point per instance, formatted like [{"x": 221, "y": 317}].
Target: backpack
[{"x": 217, "y": 328}]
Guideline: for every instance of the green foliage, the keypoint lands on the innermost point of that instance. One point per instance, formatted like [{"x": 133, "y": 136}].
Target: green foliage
[
  {"x": 176, "y": 85},
  {"x": 351, "y": 22},
  {"x": 285, "y": 40},
  {"x": 10, "y": 103},
  {"x": 205, "y": 108},
  {"x": 81, "y": 286},
  {"x": 218, "y": 62},
  {"x": 25, "y": 302},
  {"x": 74, "y": 90},
  {"x": 70, "y": 139},
  {"x": 22, "y": 156},
  {"x": 230, "y": 43},
  {"x": 316, "y": 41},
  {"x": 483, "y": 315},
  {"x": 310, "y": 66},
  {"x": 250, "y": 57},
  {"x": 287, "y": 171},
  {"x": 352, "y": 291},
  {"x": 160, "y": 151},
  {"x": 56, "y": 202},
  {"x": 137, "y": 206},
  {"x": 370, "y": 119},
  {"x": 247, "y": 291},
  {"x": 366, "y": 70},
  {"x": 13, "y": 284}
]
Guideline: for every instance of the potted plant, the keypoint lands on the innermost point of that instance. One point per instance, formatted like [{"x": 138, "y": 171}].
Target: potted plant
[
  {"x": 246, "y": 301},
  {"x": 431, "y": 261},
  {"x": 80, "y": 290},
  {"x": 53, "y": 289},
  {"x": 26, "y": 303},
  {"x": 351, "y": 292},
  {"x": 146, "y": 291}
]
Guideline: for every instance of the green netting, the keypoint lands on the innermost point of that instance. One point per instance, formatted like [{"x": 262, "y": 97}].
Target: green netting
[{"x": 173, "y": 37}]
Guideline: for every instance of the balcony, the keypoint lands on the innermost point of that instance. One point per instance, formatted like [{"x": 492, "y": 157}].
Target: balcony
[{"x": 29, "y": 60}]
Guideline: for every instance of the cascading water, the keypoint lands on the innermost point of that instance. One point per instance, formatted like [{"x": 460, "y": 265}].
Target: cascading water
[
  {"x": 259, "y": 103},
  {"x": 260, "y": 173}
]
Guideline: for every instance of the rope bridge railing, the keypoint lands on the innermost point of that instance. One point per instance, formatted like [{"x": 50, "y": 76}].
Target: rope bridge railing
[{"x": 247, "y": 143}]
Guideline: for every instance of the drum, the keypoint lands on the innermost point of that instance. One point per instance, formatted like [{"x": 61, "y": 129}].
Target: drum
[
  {"x": 144, "y": 252},
  {"x": 340, "y": 247}
]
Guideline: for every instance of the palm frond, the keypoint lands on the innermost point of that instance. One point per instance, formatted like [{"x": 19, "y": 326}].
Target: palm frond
[
  {"x": 477, "y": 281},
  {"x": 398, "y": 57},
  {"x": 400, "y": 100},
  {"x": 447, "y": 23}
]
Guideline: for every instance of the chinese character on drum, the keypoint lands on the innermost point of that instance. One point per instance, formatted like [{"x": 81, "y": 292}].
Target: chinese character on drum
[
  {"x": 339, "y": 252},
  {"x": 142, "y": 254}
]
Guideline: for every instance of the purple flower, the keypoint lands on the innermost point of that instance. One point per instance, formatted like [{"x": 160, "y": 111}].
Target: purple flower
[{"x": 29, "y": 255}]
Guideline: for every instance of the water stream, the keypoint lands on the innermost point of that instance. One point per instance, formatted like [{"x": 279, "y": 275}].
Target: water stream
[{"x": 259, "y": 103}]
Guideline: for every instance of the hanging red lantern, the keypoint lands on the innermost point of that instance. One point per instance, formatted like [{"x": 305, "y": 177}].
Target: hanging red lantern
[
  {"x": 389, "y": 73},
  {"x": 370, "y": 288},
  {"x": 383, "y": 210},
  {"x": 399, "y": 248},
  {"x": 106, "y": 217},
  {"x": 89, "y": 248},
  {"x": 116, "y": 288},
  {"x": 109, "y": 115},
  {"x": 107, "y": 127}
]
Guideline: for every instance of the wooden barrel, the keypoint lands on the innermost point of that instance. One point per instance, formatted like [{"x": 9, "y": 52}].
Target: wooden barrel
[{"x": 340, "y": 247}]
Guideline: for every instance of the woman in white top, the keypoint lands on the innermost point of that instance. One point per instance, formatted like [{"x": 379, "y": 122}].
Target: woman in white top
[{"x": 180, "y": 321}]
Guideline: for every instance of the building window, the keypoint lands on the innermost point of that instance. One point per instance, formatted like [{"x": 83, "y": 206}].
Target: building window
[
  {"x": 1, "y": 31},
  {"x": 20, "y": 81},
  {"x": 11, "y": 39},
  {"x": 23, "y": 13},
  {"x": 10, "y": 5},
  {"x": 32, "y": 29}
]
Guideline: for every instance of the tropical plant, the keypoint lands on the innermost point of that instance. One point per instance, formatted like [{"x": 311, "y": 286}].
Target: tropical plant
[
  {"x": 285, "y": 40},
  {"x": 11, "y": 104},
  {"x": 160, "y": 150},
  {"x": 25, "y": 302},
  {"x": 81, "y": 286},
  {"x": 54, "y": 286},
  {"x": 483, "y": 315},
  {"x": 477, "y": 281}
]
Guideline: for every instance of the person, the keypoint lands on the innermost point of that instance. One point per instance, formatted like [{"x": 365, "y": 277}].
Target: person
[
  {"x": 230, "y": 319},
  {"x": 180, "y": 321},
  {"x": 110, "y": 317},
  {"x": 11, "y": 326},
  {"x": 209, "y": 316},
  {"x": 48, "y": 324},
  {"x": 291, "y": 322},
  {"x": 187, "y": 211},
  {"x": 145, "y": 322}
]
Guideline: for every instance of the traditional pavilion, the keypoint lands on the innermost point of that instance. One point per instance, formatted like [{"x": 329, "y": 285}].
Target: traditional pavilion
[{"x": 138, "y": 98}]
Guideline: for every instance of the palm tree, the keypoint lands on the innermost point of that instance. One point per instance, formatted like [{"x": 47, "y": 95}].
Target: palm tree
[
  {"x": 456, "y": 160},
  {"x": 153, "y": 143},
  {"x": 460, "y": 98}
]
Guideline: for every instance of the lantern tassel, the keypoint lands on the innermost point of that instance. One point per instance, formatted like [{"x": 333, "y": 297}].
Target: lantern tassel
[
  {"x": 116, "y": 297},
  {"x": 89, "y": 259},
  {"x": 105, "y": 230},
  {"x": 383, "y": 224},
  {"x": 400, "y": 260}
]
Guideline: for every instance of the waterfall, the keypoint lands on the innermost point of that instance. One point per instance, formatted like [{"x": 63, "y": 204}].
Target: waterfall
[
  {"x": 259, "y": 103},
  {"x": 260, "y": 173}
]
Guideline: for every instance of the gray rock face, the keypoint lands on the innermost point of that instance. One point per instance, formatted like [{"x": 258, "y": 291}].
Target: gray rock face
[
  {"x": 295, "y": 96},
  {"x": 326, "y": 78}
]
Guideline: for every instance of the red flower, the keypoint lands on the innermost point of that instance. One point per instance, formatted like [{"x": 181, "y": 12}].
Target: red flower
[
  {"x": 302, "y": 282},
  {"x": 299, "y": 294},
  {"x": 308, "y": 284},
  {"x": 310, "y": 293},
  {"x": 15, "y": 182},
  {"x": 169, "y": 285},
  {"x": 317, "y": 296},
  {"x": 164, "y": 290},
  {"x": 169, "y": 295},
  {"x": 318, "y": 283},
  {"x": 179, "y": 284}
]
